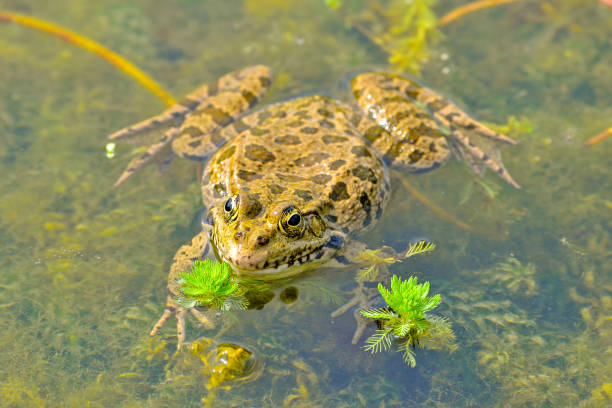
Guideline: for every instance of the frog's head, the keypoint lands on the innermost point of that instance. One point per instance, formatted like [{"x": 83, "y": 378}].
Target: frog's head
[{"x": 272, "y": 241}]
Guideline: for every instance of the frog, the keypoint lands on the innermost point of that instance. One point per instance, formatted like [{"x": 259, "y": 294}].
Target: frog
[{"x": 288, "y": 187}]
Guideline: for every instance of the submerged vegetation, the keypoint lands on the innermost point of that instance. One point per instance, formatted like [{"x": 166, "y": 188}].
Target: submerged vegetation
[
  {"x": 75, "y": 325},
  {"x": 406, "y": 317},
  {"x": 210, "y": 284},
  {"x": 375, "y": 262},
  {"x": 512, "y": 277},
  {"x": 404, "y": 29}
]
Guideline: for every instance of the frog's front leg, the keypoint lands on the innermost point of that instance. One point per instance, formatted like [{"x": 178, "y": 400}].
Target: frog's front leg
[
  {"x": 207, "y": 128},
  {"x": 363, "y": 297},
  {"x": 198, "y": 248}
]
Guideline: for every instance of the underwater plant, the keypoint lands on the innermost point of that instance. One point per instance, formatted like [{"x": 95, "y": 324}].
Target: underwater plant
[
  {"x": 374, "y": 265},
  {"x": 210, "y": 284},
  {"x": 517, "y": 278},
  {"x": 406, "y": 318},
  {"x": 404, "y": 30},
  {"x": 374, "y": 261}
]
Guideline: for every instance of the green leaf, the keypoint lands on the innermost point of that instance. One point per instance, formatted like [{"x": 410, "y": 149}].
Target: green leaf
[
  {"x": 208, "y": 284},
  {"x": 420, "y": 247},
  {"x": 235, "y": 302},
  {"x": 408, "y": 355},
  {"x": 186, "y": 303},
  {"x": 333, "y": 4},
  {"x": 379, "y": 341},
  {"x": 402, "y": 330},
  {"x": 382, "y": 313},
  {"x": 408, "y": 298}
]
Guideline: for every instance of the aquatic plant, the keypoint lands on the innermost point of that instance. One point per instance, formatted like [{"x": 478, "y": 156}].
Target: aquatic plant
[
  {"x": 414, "y": 27},
  {"x": 405, "y": 317},
  {"x": 374, "y": 263},
  {"x": 212, "y": 285},
  {"x": 514, "y": 126},
  {"x": 403, "y": 29},
  {"x": 376, "y": 260},
  {"x": 599, "y": 137},
  {"x": 406, "y": 30},
  {"x": 90, "y": 45},
  {"x": 515, "y": 277}
]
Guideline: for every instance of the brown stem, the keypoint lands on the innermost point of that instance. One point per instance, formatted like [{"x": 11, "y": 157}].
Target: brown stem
[{"x": 470, "y": 8}]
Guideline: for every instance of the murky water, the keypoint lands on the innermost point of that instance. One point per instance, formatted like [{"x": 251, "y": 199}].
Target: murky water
[{"x": 83, "y": 265}]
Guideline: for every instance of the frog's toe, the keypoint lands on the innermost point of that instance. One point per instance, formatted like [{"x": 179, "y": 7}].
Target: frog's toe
[
  {"x": 143, "y": 159},
  {"x": 200, "y": 317},
  {"x": 472, "y": 148},
  {"x": 172, "y": 308},
  {"x": 363, "y": 298},
  {"x": 474, "y": 153},
  {"x": 458, "y": 118}
]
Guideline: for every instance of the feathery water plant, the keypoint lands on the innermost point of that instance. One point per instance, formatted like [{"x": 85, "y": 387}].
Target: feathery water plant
[
  {"x": 405, "y": 317},
  {"x": 210, "y": 284},
  {"x": 375, "y": 261}
]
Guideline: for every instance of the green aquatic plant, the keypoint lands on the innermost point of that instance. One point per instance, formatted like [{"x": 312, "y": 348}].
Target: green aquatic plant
[
  {"x": 405, "y": 317},
  {"x": 403, "y": 29},
  {"x": 414, "y": 27},
  {"x": 210, "y": 284},
  {"x": 90, "y": 45},
  {"x": 514, "y": 126},
  {"x": 516, "y": 277},
  {"x": 374, "y": 261}
]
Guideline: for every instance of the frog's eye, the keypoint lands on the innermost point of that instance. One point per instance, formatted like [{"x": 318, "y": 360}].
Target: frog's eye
[
  {"x": 231, "y": 208},
  {"x": 291, "y": 222}
]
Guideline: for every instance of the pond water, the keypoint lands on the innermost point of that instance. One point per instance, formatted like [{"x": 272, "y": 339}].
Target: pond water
[{"x": 525, "y": 281}]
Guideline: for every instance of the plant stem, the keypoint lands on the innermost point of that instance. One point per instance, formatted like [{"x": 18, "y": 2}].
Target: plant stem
[
  {"x": 93, "y": 47},
  {"x": 599, "y": 138},
  {"x": 470, "y": 8}
]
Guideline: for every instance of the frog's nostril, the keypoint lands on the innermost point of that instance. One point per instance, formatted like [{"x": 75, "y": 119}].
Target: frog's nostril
[
  {"x": 261, "y": 241},
  {"x": 238, "y": 235}
]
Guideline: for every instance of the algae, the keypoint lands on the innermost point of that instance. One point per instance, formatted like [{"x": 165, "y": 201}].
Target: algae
[{"x": 83, "y": 266}]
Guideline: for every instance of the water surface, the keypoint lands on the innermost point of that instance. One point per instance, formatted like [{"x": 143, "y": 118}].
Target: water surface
[{"x": 83, "y": 265}]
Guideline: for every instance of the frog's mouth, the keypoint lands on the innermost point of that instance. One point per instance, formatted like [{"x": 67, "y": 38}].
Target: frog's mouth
[{"x": 278, "y": 268}]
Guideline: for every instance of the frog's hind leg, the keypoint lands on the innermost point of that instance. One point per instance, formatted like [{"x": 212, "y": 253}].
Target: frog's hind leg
[
  {"x": 174, "y": 115},
  {"x": 247, "y": 85},
  {"x": 470, "y": 151},
  {"x": 458, "y": 122},
  {"x": 144, "y": 158},
  {"x": 416, "y": 122},
  {"x": 207, "y": 128},
  {"x": 199, "y": 248}
]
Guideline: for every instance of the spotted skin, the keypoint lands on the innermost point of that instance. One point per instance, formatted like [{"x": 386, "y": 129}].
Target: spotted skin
[
  {"x": 203, "y": 111},
  {"x": 304, "y": 177},
  {"x": 409, "y": 113},
  {"x": 287, "y": 186}
]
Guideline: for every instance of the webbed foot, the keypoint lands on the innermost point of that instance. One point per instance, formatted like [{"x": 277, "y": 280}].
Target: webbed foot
[
  {"x": 199, "y": 115},
  {"x": 364, "y": 298},
  {"x": 417, "y": 123},
  {"x": 183, "y": 260},
  {"x": 173, "y": 308}
]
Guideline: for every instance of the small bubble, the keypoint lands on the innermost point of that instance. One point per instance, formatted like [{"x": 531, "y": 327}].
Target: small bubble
[
  {"x": 446, "y": 70},
  {"x": 444, "y": 56},
  {"x": 110, "y": 150}
]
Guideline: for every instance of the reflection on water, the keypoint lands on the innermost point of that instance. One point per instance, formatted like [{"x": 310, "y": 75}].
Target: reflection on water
[{"x": 83, "y": 265}]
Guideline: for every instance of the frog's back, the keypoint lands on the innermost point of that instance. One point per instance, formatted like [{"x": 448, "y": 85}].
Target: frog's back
[{"x": 302, "y": 151}]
